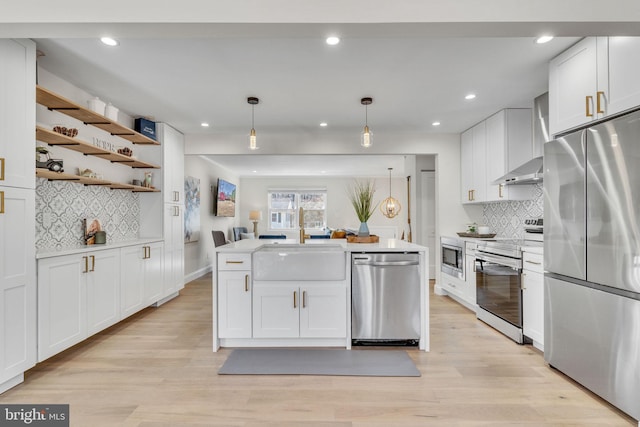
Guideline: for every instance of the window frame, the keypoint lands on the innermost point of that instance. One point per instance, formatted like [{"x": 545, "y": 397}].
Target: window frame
[{"x": 295, "y": 209}]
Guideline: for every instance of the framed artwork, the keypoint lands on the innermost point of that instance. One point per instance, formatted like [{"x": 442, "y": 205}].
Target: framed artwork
[{"x": 191, "y": 209}]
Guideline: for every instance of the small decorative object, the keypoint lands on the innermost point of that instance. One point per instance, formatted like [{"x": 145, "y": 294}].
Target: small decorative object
[
  {"x": 472, "y": 228},
  {"x": 136, "y": 182},
  {"x": 145, "y": 127},
  {"x": 70, "y": 132},
  {"x": 88, "y": 173},
  {"x": 148, "y": 176},
  {"x": 91, "y": 228},
  {"x": 95, "y": 104},
  {"x": 54, "y": 165},
  {"x": 100, "y": 237},
  {"x": 361, "y": 197},
  {"x": 111, "y": 112},
  {"x": 125, "y": 151}
]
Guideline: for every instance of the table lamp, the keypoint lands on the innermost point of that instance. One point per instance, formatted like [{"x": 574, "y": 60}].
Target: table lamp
[{"x": 255, "y": 216}]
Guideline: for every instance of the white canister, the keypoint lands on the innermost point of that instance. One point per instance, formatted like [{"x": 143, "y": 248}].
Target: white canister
[
  {"x": 484, "y": 229},
  {"x": 111, "y": 112},
  {"x": 95, "y": 104}
]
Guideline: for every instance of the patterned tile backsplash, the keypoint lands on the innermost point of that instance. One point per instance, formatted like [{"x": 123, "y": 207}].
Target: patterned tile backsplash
[
  {"x": 61, "y": 206},
  {"x": 507, "y": 218}
]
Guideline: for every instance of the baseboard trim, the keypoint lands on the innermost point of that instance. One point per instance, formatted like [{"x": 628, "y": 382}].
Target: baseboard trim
[{"x": 197, "y": 274}]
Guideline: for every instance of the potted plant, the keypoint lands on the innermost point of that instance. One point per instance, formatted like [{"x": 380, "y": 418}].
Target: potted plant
[{"x": 361, "y": 197}]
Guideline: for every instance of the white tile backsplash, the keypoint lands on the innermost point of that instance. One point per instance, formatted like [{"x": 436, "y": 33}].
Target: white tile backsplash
[
  {"x": 61, "y": 206},
  {"x": 506, "y": 219}
]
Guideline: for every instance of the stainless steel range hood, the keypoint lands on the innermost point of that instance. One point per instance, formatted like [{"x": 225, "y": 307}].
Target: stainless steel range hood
[{"x": 529, "y": 173}]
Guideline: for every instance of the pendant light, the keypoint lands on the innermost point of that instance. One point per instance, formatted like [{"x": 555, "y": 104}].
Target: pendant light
[
  {"x": 365, "y": 138},
  {"x": 390, "y": 207},
  {"x": 253, "y": 141}
]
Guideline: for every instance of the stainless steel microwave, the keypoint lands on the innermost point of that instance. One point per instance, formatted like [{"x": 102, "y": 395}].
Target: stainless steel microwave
[{"x": 452, "y": 251}]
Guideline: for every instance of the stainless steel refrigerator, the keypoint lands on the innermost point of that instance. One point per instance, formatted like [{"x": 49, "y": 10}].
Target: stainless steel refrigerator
[{"x": 592, "y": 258}]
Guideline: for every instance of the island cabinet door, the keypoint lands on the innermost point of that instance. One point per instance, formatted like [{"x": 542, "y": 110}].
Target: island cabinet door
[
  {"x": 276, "y": 311},
  {"x": 323, "y": 312},
  {"x": 234, "y": 304}
]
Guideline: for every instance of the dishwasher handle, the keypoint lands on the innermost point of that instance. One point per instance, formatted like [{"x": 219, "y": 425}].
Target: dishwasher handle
[{"x": 365, "y": 261}]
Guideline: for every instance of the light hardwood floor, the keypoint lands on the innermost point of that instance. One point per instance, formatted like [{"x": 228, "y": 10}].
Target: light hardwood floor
[{"x": 157, "y": 369}]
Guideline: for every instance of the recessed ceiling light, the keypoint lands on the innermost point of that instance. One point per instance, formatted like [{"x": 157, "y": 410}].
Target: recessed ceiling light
[
  {"x": 323, "y": 124},
  {"x": 470, "y": 96},
  {"x": 204, "y": 124},
  {"x": 435, "y": 124},
  {"x": 333, "y": 40},
  {"x": 254, "y": 171},
  {"x": 109, "y": 41},
  {"x": 544, "y": 39}
]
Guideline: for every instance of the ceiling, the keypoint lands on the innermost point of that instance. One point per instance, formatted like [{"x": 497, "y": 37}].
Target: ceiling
[{"x": 301, "y": 81}]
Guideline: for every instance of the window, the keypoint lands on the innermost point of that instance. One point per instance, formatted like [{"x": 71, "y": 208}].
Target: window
[{"x": 284, "y": 207}]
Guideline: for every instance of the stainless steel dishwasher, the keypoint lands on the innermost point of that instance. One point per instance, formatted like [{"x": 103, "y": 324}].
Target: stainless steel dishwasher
[{"x": 385, "y": 298}]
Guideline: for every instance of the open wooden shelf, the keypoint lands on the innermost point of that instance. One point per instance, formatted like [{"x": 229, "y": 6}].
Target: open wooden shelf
[
  {"x": 62, "y": 176},
  {"x": 57, "y": 139},
  {"x": 56, "y": 102}
]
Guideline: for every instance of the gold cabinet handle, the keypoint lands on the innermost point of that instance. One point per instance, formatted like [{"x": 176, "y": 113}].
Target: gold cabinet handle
[
  {"x": 86, "y": 264},
  {"x": 234, "y": 262},
  {"x": 533, "y": 262},
  {"x": 500, "y": 191},
  {"x": 1, "y": 202},
  {"x": 93, "y": 263},
  {"x": 1, "y": 168},
  {"x": 176, "y": 211},
  {"x": 473, "y": 195},
  {"x": 599, "y": 96},
  {"x": 588, "y": 100},
  {"x": 246, "y": 283},
  {"x": 295, "y": 298},
  {"x": 176, "y": 196},
  {"x": 304, "y": 299}
]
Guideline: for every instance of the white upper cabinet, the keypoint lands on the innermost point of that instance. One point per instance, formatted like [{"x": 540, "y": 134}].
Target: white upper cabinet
[
  {"x": 624, "y": 84},
  {"x": 173, "y": 163},
  {"x": 509, "y": 145},
  {"x": 473, "y": 148},
  {"x": 591, "y": 80},
  {"x": 17, "y": 113}
]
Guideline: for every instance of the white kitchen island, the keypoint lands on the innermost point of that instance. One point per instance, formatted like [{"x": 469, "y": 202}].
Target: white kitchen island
[{"x": 259, "y": 303}]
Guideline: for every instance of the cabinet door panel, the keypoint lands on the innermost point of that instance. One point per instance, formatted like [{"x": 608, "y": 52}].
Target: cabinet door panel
[
  {"x": 62, "y": 309},
  {"x": 234, "y": 304},
  {"x": 479, "y": 163},
  {"x": 533, "y": 306},
  {"x": 17, "y": 113},
  {"x": 103, "y": 290},
  {"x": 275, "y": 312},
  {"x": 466, "y": 165},
  {"x": 132, "y": 280},
  {"x": 153, "y": 274},
  {"x": 572, "y": 77},
  {"x": 323, "y": 312},
  {"x": 624, "y": 85},
  {"x": 17, "y": 283}
]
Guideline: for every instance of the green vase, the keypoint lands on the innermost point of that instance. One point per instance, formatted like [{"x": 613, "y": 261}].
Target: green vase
[{"x": 363, "y": 231}]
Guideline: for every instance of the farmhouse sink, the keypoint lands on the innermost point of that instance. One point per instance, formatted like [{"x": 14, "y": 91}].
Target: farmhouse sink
[{"x": 299, "y": 262}]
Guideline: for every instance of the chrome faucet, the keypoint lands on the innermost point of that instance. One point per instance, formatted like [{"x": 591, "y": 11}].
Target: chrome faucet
[{"x": 301, "y": 220}]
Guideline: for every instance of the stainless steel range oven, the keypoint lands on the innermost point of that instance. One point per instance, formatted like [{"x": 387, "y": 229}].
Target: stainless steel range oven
[
  {"x": 498, "y": 286},
  {"x": 452, "y": 251}
]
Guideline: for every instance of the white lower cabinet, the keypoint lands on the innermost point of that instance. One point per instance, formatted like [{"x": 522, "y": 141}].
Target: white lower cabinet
[
  {"x": 17, "y": 284},
  {"x": 78, "y": 295},
  {"x": 234, "y": 304},
  {"x": 141, "y": 277},
  {"x": 533, "y": 298},
  {"x": 299, "y": 311}
]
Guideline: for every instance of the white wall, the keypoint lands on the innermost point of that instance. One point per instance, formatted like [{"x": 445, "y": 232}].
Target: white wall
[
  {"x": 198, "y": 255},
  {"x": 340, "y": 213},
  {"x": 451, "y": 215}
]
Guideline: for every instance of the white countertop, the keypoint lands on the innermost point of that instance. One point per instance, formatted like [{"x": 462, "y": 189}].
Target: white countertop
[
  {"x": 48, "y": 253},
  {"x": 385, "y": 245}
]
